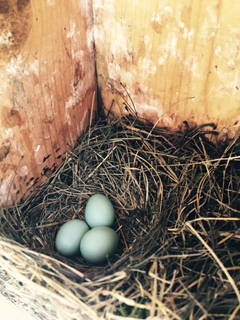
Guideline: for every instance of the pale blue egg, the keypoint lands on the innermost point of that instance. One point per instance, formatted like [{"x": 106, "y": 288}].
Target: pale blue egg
[
  {"x": 99, "y": 244},
  {"x": 69, "y": 237},
  {"x": 99, "y": 211}
]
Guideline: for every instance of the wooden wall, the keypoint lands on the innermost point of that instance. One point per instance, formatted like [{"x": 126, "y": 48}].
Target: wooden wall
[
  {"x": 47, "y": 88},
  {"x": 179, "y": 60}
]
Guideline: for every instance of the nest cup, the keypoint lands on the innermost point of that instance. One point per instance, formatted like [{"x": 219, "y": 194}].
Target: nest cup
[{"x": 177, "y": 207}]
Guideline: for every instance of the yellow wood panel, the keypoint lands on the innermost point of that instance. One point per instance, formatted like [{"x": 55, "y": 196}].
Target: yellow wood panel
[
  {"x": 179, "y": 60},
  {"x": 47, "y": 88}
]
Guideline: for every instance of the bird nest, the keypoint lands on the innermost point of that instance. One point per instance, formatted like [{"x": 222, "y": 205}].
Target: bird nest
[{"x": 176, "y": 197}]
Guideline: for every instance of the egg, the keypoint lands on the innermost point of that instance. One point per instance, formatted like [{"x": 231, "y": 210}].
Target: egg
[
  {"x": 69, "y": 237},
  {"x": 99, "y": 244},
  {"x": 99, "y": 211}
]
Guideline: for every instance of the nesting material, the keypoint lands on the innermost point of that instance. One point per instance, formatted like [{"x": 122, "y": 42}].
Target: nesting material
[{"x": 176, "y": 198}]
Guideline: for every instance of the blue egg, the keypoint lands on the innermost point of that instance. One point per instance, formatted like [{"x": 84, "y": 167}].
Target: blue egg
[
  {"x": 99, "y": 211},
  {"x": 69, "y": 237},
  {"x": 99, "y": 244}
]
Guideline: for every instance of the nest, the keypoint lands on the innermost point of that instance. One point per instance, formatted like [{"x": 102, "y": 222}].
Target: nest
[{"x": 176, "y": 197}]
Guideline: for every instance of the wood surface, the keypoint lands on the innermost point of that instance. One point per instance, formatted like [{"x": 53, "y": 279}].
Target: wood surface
[
  {"x": 47, "y": 88},
  {"x": 177, "y": 59}
]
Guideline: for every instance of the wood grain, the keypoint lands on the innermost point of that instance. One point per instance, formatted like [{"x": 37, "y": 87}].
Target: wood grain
[
  {"x": 179, "y": 61},
  {"x": 47, "y": 88}
]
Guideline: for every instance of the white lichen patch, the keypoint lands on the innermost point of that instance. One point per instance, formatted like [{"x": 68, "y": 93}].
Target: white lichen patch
[
  {"x": 191, "y": 63},
  {"x": 74, "y": 99},
  {"x": 160, "y": 15},
  {"x": 187, "y": 34},
  {"x": 90, "y": 37},
  {"x": 37, "y": 148},
  {"x": 77, "y": 54},
  {"x": 114, "y": 35},
  {"x": 148, "y": 66},
  {"x": 8, "y": 132},
  {"x": 169, "y": 48},
  {"x": 72, "y": 30},
  {"x": 51, "y": 2},
  {"x": 34, "y": 67},
  {"x": 120, "y": 45},
  {"x": 210, "y": 24},
  {"x": 231, "y": 64},
  {"x": 218, "y": 50},
  {"x": 6, "y": 38},
  {"x": 15, "y": 67},
  {"x": 106, "y": 5}
]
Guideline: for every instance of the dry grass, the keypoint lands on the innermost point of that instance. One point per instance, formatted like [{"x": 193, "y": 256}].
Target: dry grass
[{"x": 177, "y": 204}]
